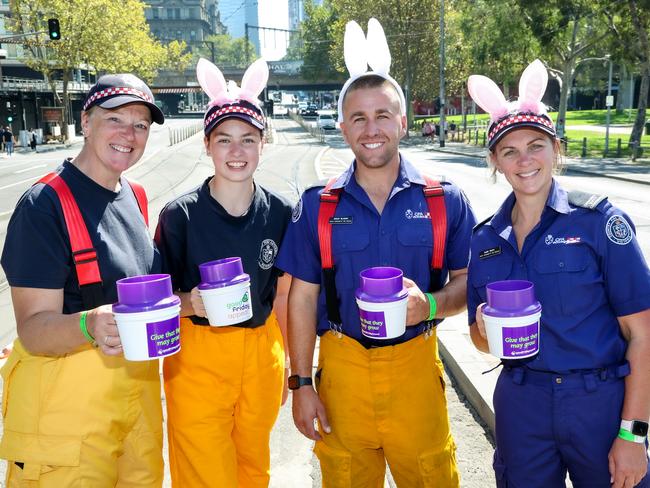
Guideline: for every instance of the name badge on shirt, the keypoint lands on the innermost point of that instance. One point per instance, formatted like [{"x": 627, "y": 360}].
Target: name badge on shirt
[
  {"x": 489, "y": 253},
  {"x": 340, "y": 220}
]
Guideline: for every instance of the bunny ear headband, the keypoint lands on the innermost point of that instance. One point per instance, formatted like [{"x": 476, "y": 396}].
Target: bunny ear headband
[
  {"x": 360, "y": 52},
  {"x": 528, "y": 111},
  {"x": 227, "y": 100}
]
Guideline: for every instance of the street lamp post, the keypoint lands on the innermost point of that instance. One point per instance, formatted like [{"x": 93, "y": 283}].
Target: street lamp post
[{"x": 609, "y": 101}]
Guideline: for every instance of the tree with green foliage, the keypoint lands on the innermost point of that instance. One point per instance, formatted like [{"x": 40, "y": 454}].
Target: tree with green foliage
[
  {"x": 228, "y": 52},
  {"x": 412, "y": 31},
  {"x": 317, "y": 38},
  {"x": 570, "y": 32},
  {"x": 99, "y": 35}
]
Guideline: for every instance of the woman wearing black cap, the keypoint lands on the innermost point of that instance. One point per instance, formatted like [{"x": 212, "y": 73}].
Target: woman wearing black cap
[
  {"x": 224, "y": 387},
  {"x": 75, "y": 411}
]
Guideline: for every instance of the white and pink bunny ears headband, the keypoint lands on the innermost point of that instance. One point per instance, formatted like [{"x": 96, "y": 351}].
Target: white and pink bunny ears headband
[
  {"x": 360, "y": 52},
  {"x": 227, "y": 100},
  {"x": 527, "y": 111}
]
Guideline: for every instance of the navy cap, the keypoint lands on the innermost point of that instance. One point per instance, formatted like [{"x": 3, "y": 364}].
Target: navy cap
[
  {"x": 240, "y": 109},
  {"x": 112, "y": 91},
  {"x": 518, "y": 120}
]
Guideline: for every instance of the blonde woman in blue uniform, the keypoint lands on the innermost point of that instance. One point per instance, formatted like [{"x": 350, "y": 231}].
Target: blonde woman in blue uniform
[{"x": 581, "y": 405}]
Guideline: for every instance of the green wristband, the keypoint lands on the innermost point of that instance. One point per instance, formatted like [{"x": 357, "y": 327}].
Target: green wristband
[
  {"x": 84, "y": 327},
  {"x": 626, "y": 435},
  {"x": 433, "y": 306}
]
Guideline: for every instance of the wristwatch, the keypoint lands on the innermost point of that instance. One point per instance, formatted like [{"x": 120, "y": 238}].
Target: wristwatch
[
  {"x": 296, "y": 381},
  {"x": 633, "y": 430}
]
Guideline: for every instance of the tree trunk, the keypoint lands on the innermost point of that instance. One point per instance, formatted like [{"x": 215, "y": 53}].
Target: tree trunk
[
  {"x": 644, "y": 54},
  {"x": 66, "y": 105},
  {"x": 568, "y": 72},
  {"x": 639, "y": 122}
]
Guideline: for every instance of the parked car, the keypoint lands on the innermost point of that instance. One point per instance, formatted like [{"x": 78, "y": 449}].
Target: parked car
[{"x": 325, "y": 121}]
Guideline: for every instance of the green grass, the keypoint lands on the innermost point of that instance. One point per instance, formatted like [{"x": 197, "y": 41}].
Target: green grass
[{"x": 595, "y": 139}]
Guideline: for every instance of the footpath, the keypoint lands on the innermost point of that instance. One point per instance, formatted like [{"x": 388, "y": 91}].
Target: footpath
[{"x": 468, "y": 366}]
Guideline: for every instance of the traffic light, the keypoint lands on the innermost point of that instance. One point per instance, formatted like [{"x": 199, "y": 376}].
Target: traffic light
[{"x": 53, "y": 27}]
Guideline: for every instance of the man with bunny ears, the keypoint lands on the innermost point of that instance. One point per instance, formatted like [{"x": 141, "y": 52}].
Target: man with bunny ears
[
  {"x": 225, "y": 386},
  {"x": 376, "y": 400}
]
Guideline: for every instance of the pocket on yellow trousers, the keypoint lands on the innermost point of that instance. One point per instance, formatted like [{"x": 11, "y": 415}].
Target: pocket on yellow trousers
[
  {"x": 336, "y": 464},
  {"x": 438, "y": 468}
]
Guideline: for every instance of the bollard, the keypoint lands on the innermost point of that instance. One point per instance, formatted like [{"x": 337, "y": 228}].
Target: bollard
[
  {"x": 476, "y": 138},
  {"x": 584, "y": 147},
  {"x": 484, "y": 139},
  {"x": 618, "y": 147}
]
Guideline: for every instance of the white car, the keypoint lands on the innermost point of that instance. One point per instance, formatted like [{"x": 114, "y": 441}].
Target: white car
[{"x": 325, "y": 121}]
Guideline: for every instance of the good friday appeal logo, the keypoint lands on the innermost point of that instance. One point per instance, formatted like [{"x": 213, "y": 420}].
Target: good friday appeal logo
[{"x": 240, "y": 309}]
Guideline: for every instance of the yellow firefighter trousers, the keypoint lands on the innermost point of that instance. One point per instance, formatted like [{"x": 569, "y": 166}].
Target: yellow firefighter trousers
[
  {"x": 223, "y": 392},
  {"x": 384, "y": 404},
  {"x": 81, "y": 420}
]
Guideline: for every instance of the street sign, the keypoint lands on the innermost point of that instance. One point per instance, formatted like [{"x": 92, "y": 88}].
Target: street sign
[
  {"x": 609, "y": 101},
  {"x": 52, "y": 114}
]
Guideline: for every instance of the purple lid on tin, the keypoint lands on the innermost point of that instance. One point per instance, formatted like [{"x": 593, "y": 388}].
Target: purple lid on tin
[
  {"x": 381, "y": 284},
  {"x": 511, "y": 298},
  {"x": 221, "y": 273},
  {"x": 144, "y": 293}
]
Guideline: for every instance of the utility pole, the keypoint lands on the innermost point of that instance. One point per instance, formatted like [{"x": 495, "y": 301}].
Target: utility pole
[
  {"x": 442, "y": 73},
  {"x": 609, "y": 101},
  {"x": 247, "y": 41}
]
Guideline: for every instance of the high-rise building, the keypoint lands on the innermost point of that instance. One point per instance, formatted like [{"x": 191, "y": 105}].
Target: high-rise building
[
  {"x": 184, "y": 20},
  {"x": 297, "y": 12},
  {"x": 236, "y": 14}
]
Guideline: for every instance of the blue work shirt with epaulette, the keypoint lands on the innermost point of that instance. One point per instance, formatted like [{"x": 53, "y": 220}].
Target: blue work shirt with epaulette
[
  {"x": 587, "y": 268},
  {"x": 401, "y": 236}
]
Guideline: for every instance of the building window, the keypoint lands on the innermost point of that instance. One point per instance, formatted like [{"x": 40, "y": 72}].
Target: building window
[{"x": 155, "y": 12}]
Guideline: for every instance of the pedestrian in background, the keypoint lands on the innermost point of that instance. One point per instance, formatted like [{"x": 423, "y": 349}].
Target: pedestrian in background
[
  {"x": 377, "y": 400},
  {"x": 582, "y": 403},
  {"x": 8, "y": 139},
  {"x": 32, "y": 139},
  {"x": 76, "y": 412},
  {"x": 225, "y": 386}
]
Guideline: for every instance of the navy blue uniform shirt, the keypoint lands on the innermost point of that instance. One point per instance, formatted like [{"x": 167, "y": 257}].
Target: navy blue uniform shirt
[
  {"x": 37, "y": 251},
  {"x": 587, "y": 268},
  {"x": 400, "y": 236}
]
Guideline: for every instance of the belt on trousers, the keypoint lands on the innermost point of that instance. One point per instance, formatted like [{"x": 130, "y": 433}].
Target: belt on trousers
[{"x": 587, "y": 378}]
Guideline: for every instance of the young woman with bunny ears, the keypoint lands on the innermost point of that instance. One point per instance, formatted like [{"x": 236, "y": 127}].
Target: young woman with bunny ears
[
  {"x": 581, "y": 405},
  {"x": 225, "y": 386}
]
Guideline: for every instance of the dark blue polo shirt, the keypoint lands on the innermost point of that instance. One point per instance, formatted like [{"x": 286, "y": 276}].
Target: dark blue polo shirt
[
  {"x": 587, "y": 268},
  {"x": 37, "y": 251},
  {"x": 400, "y": 236}
]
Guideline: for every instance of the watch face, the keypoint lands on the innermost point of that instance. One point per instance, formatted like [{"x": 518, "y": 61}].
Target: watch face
[
  {"x": 296, "y": 382},
  {"x": 640, "y": 428}
]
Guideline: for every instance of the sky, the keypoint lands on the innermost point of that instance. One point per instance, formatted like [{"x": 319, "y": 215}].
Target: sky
[{"x": 273, "y": 13}]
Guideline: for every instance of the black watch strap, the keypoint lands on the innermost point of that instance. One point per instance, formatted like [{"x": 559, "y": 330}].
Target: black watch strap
[{"x": 296, "y": 381}]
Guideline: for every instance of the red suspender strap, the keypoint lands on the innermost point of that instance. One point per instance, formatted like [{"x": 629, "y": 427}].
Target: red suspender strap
[
  {"x": 83, "y": 252},
  {"x": 141, "y": 197},
  {"x": 435, "y": 197},
  {"x": 329, "y": 199}
]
